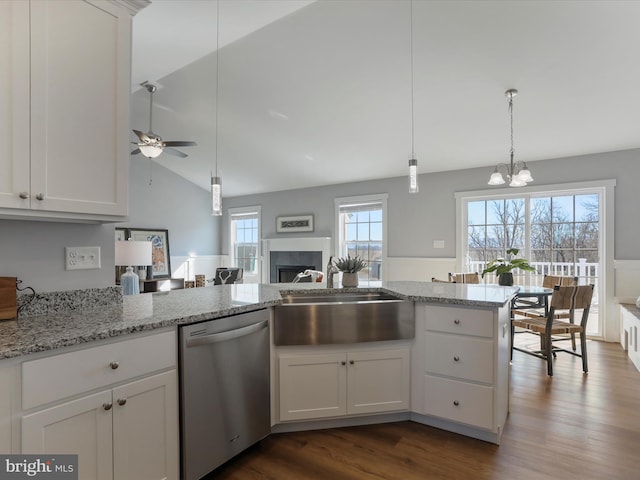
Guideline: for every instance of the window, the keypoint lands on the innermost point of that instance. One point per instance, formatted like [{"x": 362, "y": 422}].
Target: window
[
  {"x": 244, "y": 241},
  {"x": 559, "y": 229},
  {"x": 361, "y": 227}
]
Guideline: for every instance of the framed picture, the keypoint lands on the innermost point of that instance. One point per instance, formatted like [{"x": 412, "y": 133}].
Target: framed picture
[
  {"x": 299, "y": 223},
  {"x": 161, "y": 266},
  {"x": 121, "y": 234}
]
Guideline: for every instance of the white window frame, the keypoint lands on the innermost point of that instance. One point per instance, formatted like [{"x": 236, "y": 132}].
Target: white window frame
[
  {"x": 608, "y": 320},
  {"x": 363, "y": 199},
  {"x": 236, "y": 212}
]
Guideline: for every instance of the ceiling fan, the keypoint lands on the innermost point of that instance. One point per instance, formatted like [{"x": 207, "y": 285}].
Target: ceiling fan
[{"x": 151, "y": 145}]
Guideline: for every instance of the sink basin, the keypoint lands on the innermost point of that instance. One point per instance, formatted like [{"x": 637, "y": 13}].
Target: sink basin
[
  {"x": 338, "y": 297},
  {"x": 337, "y": 317}
]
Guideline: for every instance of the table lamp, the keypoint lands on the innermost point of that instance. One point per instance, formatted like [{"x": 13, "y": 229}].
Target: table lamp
[{"x": 128, "y": 254}]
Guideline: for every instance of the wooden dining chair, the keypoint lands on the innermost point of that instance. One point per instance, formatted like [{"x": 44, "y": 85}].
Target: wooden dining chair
[
  {"x": 528, "y": 308},
  {"x": 464, "y": 277},
  {"x": 569, "y": 298}
]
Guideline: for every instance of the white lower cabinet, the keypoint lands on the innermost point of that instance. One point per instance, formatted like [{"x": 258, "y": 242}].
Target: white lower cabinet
[
  {"x": 629, "y": 324},
  {"x": 460, "y": 379},
  {"x": 127, "y": 428},
  {"x": 323, "y": 383}
]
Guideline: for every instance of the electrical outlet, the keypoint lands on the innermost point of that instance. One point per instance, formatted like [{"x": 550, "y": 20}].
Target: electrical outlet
[
  {"x": 82, "y": 258},
  {"x": 438, "y": 244}
]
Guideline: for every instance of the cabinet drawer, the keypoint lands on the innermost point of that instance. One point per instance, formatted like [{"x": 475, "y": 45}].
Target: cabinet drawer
[
  {"x": 469, "y": 358},
  {"x": 460, "y": 320},
  {"x": 459, "y": 401},
  {"x": 59, "y": 376}
]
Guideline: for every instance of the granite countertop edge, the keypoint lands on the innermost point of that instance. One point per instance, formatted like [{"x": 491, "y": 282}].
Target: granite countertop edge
[{"x": 50, "y": 331}]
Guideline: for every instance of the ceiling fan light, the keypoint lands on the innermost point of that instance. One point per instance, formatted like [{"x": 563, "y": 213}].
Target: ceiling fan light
[
  {"x": 496, "y": 178},
  {"x": 216, "y": 196},
  {"x": 150, "y": 151}
]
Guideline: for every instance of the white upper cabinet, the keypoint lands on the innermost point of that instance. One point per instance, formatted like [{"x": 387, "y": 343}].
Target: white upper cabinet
[{"x": 65, "y": 151}]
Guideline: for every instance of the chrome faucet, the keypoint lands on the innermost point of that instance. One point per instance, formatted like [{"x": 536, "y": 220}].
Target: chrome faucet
[{"x": 331, "y": 271}]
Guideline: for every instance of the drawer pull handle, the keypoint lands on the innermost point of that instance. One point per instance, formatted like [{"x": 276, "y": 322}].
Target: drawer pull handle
[
  {"x": 107, "y": 405},
  {"x": 114, "y": 365},
  {"x": 456, "y": 403},
  {"x": 122, "y": 401},
  {"x": 456, "y": 321},
  {"x": 456, "y": 358}
]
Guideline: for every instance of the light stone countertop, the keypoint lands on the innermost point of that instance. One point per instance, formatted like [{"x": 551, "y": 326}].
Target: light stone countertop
[{"x": 49, "y": 330}]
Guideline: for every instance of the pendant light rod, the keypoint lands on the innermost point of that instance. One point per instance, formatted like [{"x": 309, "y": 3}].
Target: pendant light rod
[
  {"x": 413, "y": 162},
  {"x": 518, "y": 174},
  {"x": 216, "y": 181}
]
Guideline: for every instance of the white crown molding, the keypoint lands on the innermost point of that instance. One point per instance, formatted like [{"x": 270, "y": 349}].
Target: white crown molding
[{"x": 134, "y": 6}]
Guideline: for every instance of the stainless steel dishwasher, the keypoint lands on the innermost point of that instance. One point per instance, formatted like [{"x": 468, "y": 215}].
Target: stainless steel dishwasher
[{"x": 224, "y": 390}]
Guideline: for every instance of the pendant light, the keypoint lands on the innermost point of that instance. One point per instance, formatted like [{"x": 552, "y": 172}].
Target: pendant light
[
  {"x": 413, "y": 162},
  {"x": 518, "y": 173},
  {"x": 216, "y": 182}
]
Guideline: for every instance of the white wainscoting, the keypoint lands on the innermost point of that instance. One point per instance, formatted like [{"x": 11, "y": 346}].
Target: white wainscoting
[
  {"x": 627, "y": 280},
  {"x": 188, "y": 267},
  {"x": 420, "y": 269}
]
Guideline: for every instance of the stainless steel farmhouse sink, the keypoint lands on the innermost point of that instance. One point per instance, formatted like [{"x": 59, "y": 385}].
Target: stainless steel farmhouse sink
[{"x": 337, "y": 317}]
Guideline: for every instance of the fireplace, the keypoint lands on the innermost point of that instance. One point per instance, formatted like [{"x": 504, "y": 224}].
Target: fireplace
[
  {"x": 286, "y": 265},
  {"x": 287, "y": 273},
  {"x": 286, "y": 257}
]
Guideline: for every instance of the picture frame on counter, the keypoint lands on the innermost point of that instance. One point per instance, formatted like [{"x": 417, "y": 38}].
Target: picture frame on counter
[{"x": 298, "y": 223}]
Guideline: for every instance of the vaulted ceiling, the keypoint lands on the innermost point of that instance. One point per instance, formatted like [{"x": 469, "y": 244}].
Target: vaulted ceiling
[{"x": 319, "y": 92}]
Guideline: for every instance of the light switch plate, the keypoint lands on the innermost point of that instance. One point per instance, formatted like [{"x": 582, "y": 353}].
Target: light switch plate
[{"x": 81, "y": 258}]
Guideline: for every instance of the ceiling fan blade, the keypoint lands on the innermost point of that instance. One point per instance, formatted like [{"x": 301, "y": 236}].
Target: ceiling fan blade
[
  {"x": 173, "y": 151},
  {"x": 180, "y": 143},
  {"x": 142, "y": 136},
  {"x": 136, "y": 151}
]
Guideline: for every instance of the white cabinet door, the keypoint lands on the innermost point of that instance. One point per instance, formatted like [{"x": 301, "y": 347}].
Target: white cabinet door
[
  {"x": 14, "y": 104},
  {"x": 80, "y": 75},
  {"x": 81, "y": 427},
  {"x": 378, "y": 381},
  {"x": 145, "y": 429},
  {"x": 312, "y": 386}
]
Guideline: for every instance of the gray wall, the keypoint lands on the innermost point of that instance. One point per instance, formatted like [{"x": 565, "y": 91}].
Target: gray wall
[
  {"x": 34, "y": 251},
  {"x": 414, "y": 221}
]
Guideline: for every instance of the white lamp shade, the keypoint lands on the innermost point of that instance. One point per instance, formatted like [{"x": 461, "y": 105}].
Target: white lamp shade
[
  {"x": 413, "y": 175},
  {"x": 525, "y": 175},
  {"x": 516, "y": 181},
  {"x": 133, "y": 253},
  {"x": 496, "y": 178},
  {"x": 216, "y": 196}
]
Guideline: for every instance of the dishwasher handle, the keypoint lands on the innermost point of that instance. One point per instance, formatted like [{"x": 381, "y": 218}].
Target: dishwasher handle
[{"x": 228, "y": 335}]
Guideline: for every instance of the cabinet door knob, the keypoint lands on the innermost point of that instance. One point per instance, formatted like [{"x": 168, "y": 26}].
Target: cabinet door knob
[
  {"x": 122, "y": 401},
  {"x": 456, "y": 358},
  {"x": 40, "y": 196},
  {"x": 343, "y": 362},
  {"x": 114, "y": 365},
  {"x": 23, "y": 195},
  {"x": 352, "y": 362},
  {"x": 456, "y": 403},
  {"x": 107, "y": 405},
  {"x": 456, "y": 321}
]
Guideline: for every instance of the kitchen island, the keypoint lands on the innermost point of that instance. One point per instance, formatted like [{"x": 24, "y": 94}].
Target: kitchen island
[{"x": 87, "y": 354}]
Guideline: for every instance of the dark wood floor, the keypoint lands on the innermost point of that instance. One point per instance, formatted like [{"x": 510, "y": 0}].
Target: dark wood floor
[{"x": 570, "y": 426}]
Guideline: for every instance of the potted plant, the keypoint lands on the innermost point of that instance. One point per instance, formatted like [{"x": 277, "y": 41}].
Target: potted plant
[
  {"x": 350, "y": 266},
  {"x": 503, "y": 267}
]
